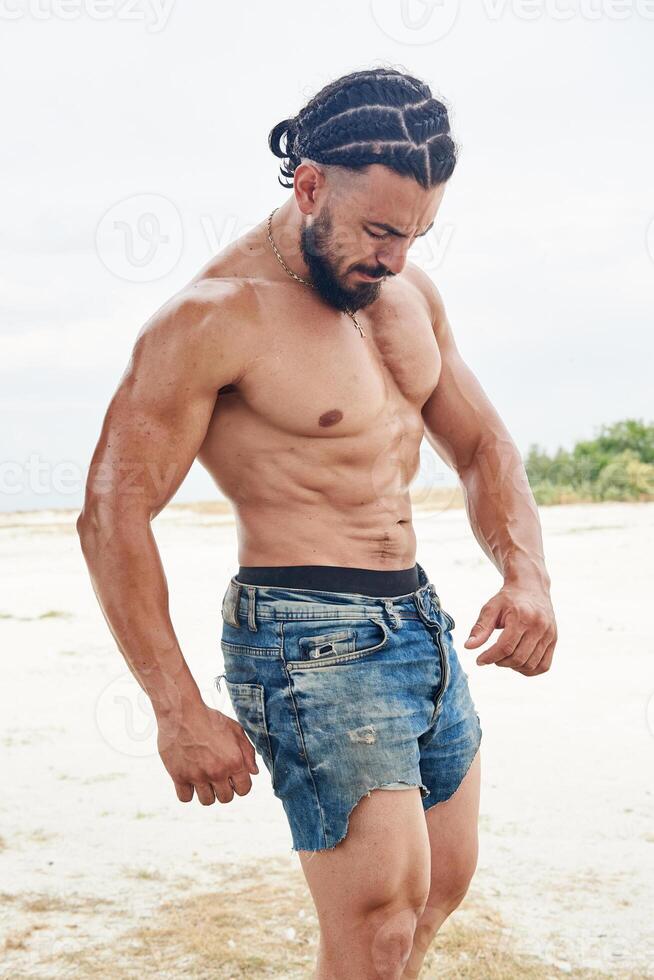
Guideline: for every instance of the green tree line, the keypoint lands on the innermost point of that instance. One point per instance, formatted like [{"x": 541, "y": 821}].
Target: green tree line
[{"x": 618, "y": 464}]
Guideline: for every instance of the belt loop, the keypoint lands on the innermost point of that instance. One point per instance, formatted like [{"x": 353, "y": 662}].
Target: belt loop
[
  {"x": 252, "y": 620},
  {"x": 230, "y": 606},
  {"x": 392, "y": 615},
  {"x": 237, "y": 604},
  {"x": 434, "y": 595}
]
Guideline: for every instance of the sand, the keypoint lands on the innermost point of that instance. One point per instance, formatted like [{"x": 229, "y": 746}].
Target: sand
[{"x": 90, "y": 824}]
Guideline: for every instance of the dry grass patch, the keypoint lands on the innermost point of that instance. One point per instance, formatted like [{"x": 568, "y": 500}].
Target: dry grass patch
[{"x": 259, "y": 922}]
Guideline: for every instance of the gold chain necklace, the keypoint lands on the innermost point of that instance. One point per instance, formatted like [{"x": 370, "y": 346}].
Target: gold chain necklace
[{"x": 306, "y": 282}]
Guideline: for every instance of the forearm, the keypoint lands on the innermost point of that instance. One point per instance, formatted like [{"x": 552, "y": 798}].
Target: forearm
[
  {"x": 130, "y": 585},
  {"x": 503, "y": 513}
]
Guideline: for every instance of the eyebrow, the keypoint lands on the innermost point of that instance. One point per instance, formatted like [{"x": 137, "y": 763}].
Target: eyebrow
[{"x": 394, "y": 231}]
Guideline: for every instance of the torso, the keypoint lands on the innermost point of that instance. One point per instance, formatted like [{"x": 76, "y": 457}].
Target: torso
[{"x": 316, "y": 446}]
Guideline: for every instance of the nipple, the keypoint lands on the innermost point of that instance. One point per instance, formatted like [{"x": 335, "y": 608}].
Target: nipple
[{"x": 331, "y": 417}]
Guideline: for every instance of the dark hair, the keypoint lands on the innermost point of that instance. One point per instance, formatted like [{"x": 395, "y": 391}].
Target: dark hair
[{"x": 379, "y": 115}]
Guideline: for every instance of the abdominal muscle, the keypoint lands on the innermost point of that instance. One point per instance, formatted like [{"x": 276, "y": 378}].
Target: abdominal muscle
[
  {"x": 300, "y": 500},
  {"x": 275, "y": 537},
  {"x": 315, "y": 446}
]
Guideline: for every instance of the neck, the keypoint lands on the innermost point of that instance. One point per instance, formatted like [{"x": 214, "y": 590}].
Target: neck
[{"x": 286, "y": 229}]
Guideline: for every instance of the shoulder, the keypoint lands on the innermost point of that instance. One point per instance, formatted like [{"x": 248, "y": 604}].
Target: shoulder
[
  {"x": 207, "y": 302},
  {"x": 203, "y": 328},
  {"x": 428, "y": 290}
]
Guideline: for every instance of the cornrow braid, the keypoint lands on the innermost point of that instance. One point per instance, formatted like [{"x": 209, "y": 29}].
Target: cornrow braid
[{"x": 377, "y": 115}]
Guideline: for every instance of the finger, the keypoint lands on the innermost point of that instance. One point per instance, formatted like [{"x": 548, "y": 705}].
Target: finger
[
  {"x": 522, "y": 652},
  {"x": 241, "y": 782},
  {"x": 249, "y": 756},
  {"x": 537, "y": 654},
  {"x": 224, "y": 790},
  {"x": 486, "y": 623},
  {"x": 205, "y": 793},
  {"x": 548, "y": 656},
  {"x": 541, "y": 658},
  {"x": 550, "y": 651},
  {"x": 504, "y": 646},
  {"x": 184, "y": 792}
]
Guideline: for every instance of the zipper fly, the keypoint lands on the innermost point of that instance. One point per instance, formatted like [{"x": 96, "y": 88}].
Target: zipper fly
[{"x": 445, "y": 672}]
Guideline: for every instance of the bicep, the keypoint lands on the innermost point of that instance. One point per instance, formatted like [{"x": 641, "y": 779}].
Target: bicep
[
  {"x": 458, "y": 415},
  {"x": 159, "y": 415}
]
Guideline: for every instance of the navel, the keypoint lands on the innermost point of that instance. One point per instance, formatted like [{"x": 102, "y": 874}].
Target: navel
[{"x": 331, "y": 417}]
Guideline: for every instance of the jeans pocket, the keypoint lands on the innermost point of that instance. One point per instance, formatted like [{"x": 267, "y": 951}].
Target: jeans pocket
[
  {"x": 318, "y": 643},
  {"x": 249, "y": 703}
]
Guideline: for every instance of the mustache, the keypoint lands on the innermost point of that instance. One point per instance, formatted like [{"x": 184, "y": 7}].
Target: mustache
[{"x": 375, "y": 272}]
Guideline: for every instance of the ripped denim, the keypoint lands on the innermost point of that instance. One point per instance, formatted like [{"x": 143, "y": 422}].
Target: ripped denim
[{"x": 343, "y": 693}]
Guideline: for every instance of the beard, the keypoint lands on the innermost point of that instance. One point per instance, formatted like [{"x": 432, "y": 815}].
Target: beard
[{"x": 320, "y": 257}]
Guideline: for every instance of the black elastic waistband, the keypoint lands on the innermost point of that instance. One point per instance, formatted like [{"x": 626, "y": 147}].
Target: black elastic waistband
[{"x": 332, "y": 578}]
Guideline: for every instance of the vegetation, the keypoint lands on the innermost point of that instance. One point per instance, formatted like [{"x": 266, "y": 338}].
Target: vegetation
[
  {"x": 617, "y": 465},
  {"x": 257, "y": 921}
]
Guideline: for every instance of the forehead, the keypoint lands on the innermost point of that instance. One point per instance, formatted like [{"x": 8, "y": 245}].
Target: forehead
[{"x": 379, "y": 194}]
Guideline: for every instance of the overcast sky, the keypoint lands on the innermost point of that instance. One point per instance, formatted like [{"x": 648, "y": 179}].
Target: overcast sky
[{"x": 135, "y": 147}]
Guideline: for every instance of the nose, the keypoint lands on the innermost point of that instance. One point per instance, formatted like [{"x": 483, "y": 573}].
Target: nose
[{"x": 393, "y": 256}]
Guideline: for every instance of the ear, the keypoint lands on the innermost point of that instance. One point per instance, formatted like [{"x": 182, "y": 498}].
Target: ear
[{"x": 308, "y": 180}]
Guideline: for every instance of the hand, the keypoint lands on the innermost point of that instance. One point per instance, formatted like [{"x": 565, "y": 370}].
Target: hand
[
  {"x": 529, "y": 633},
  {"x": 203, "y": 749}
]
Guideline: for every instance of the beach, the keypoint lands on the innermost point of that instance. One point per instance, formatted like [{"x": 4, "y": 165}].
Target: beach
[{"x": 106, "y": 873}]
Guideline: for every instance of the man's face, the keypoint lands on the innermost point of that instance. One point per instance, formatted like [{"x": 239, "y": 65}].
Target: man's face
[{"x": 362, "y": 231}]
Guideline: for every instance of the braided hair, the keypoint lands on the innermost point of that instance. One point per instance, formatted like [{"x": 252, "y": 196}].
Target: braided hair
[{"x": 379, "y": 115}]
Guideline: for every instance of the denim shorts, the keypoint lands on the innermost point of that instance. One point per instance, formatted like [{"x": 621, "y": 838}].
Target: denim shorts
[{"x": 342, "y": 693}]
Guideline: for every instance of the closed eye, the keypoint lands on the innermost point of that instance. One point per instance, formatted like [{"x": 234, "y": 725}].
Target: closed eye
[{"x": 373, "y": 235}]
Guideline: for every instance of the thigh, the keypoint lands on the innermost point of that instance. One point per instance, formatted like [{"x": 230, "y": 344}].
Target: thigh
[
  {"x": 382, "y": 863},
  {"x": 448, "y": 748},
  {"x": 452, "y": 827}
]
